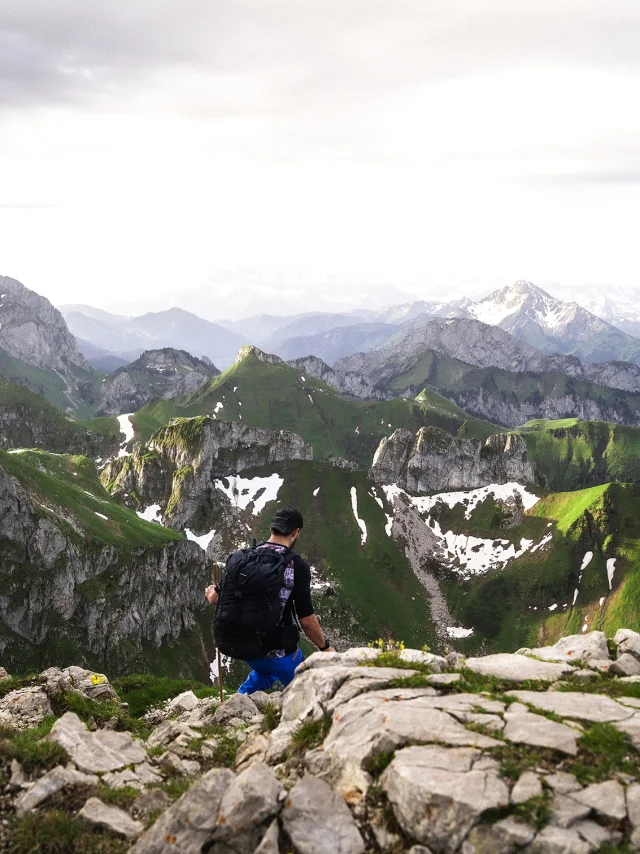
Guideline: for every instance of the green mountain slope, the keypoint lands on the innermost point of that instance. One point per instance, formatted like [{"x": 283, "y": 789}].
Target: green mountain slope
[
  {"x": 571, "y": 454},
  {"x": 77, "y": 394},
  {"x": 68, "y": 490},
  {"x": 29, "y": 420},
  {"x": 276, "y": 397},
  {"x": 564, "y": 585}
]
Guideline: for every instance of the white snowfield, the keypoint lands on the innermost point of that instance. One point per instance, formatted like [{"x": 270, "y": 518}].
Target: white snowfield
[
  {"x": 459, "y": 632},
  {"x": 126, "y": 427},
  {"x": 150, "y": 514},
  {"x": 203, "y": 541},
  {"x": 354, "y": 506},
  {"x": 241, "y": 491},
  {"x": 468, "y": 555}
]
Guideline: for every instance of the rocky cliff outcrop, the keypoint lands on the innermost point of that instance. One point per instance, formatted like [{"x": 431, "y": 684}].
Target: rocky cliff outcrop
[
  {"x": 485, "y": 346},
  {"x": 64, "y": 590},
  {"x": 434, "y": 461},
  {"x": 32, "y": 330},
  {"x": 184, "y": 463},
  {"x": 346, "y": 382},
  {"x": 514, "y": 413},
  {"x": 380, "y": 751},
  {"x": 157, "y": 374}
]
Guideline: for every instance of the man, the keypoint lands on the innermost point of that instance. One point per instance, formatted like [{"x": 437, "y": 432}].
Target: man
[{"x": 295, "y": 606}]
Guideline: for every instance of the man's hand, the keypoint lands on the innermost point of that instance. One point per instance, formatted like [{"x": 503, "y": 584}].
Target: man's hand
[{"x": 211, "y": 595}]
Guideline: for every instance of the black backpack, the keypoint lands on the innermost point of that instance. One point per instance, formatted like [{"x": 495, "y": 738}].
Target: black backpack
[{"x": 248, "y": 620}]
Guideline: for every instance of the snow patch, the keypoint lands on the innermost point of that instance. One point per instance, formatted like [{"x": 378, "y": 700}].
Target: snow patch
[
  {"x": 388, "y": 527},
  {"x": 611, "y": 568},
  {"x": 354, "y": 506},
  {"x": 458, "y": 632},
  {"x": 150, "y": 514},
  {"x": 552, "y": 607},
  {"x": 469, "y": 555},
  {"x": 101, "y": 515},
  {"x": 241, "y": 491},
  {"x": 310, "y": 398},
  {"x": 219, "y": 405},
  {"x": 602, "y": 598},
  {"x": 126, "y": 427},
  {"x": 202, "y": 541},
  {"x": 316, "y": 491},
  {"x": 225, "y": 661}
]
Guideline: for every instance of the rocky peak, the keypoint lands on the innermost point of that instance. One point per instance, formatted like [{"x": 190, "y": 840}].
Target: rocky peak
[
  {"x": 251, "y": 350},
  {"x": 162, "y": 373},
  {"x": 346, "y": 382},
  {"x": 434, "y": 461},
  {"x": 32, "y": 330}
]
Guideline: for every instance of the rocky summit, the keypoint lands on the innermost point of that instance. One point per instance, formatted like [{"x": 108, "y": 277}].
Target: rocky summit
[{"x": 380, "y": 750}]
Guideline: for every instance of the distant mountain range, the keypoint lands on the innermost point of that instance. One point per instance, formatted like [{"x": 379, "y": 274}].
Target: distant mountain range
[{"x": 127, "y": 337}]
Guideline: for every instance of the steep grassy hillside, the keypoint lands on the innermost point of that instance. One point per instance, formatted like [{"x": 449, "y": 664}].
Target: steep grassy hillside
[
  {"x": 564, "y": 585},
  {"x": 28, "y": 420},
  {"x": 68, "y": 490},
  {"x": 276, "y": 397},
  {"x": 571, "y": 454},
  {"x": 362, "y": 590},
  {"x": 78, "y": 395}
]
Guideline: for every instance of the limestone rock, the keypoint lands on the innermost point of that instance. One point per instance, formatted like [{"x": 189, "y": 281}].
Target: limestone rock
[
  {"x": 167, "y": 731},
  {"x": 111, "y": 818},
  {"x": 438, "y": 807},
  {"x": 593, "y": 833},
  {"x": 185, "y": 702},
  {"x": 518, "y": 668},
  {"x": 151, "y": 800},
  {"x": 539, "y": 731},
  {"x": 569, "y": 704},
  {"x": 3, "y": 674},
  {"x": 503, "y": 837},
  {"x": 191, "y": 821},
  {"x": 562, "y": 783},
  {"x": 269, "y": 843},
  {"x": 124, "y": 779},
  {"x": 251, "y": 800},
  {"x": 93, "y": 685},
  {"x": 317, "y": 820},
  {"x": 24, "y": 707},
  {"x": 626, "y": 665},
  {"x": 432, "y": 461},
  {"x": 96, "y": 752},
  {"x": 633, "y": 803},
  {"x": 627, "y": 641},
  {"x": 382, "y": 721},
  {"x": 583, "y": 647},
  {"x": 52, "y": 782},
  {"x": 607, "y": 799},
  {"x": 528, "y": 786},
  {"x": 565, "y": 811},
  {"x": 238, "y": 709},
  {"x": 557, "y": 840}
]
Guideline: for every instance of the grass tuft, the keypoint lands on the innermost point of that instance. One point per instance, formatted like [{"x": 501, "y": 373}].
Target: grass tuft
[
  {"x": 310, "y": 734},
  {"x": 54, "y": 832},
  {"x": 28, "y": 747}
]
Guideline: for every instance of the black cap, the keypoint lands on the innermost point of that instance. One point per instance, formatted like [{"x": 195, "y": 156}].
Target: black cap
[{"x": 286, "y": 520}]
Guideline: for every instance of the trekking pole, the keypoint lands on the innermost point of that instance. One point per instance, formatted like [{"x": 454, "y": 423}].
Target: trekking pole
[{"x": 219, "y": 657}]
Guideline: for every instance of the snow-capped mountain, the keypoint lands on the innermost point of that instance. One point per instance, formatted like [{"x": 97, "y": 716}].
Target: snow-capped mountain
[
  {"x": 434, "y": 308},
  {"x": 554, "y": 326}
]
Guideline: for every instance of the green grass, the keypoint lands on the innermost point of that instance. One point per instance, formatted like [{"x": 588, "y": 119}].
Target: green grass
[
  {"x": 99, "y": 712},
  {"x": 604, "y": 750},
  {"x": 309, "y": 734},
  {"x": 274, "y": 396},
  {"x": 79, "y": 396},
  {"x": 28, "y": 747},
  {"x": 40, "y": 423},
  {"x": 68, "y": 486},
  {"x": 142, "y": 691},
  {"x": 271, "y": 717},
  {"x": 55, "y": 832}
]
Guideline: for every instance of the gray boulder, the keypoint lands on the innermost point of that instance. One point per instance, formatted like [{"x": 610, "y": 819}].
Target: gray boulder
[
  {"x": 627, "y": 641},
  {"x": 111, "y": 818},
  {"x": 96, "y": 752},
  {"x": 50, "y": 784},
  {"x": 558, "y": 840},
  {"x": 317, "y": 820},
  {"x": 595, "y": 708},
  {"x": 238, "y": 709},
  {"x": 538, "y": 731},
  {"x": 24, "y": 707},
  {"x": 625, "y": 665},
  {"x": 435, "y": 806},
  {"x": 518, "y": 668},
  {"x": 591, "y": 645}
]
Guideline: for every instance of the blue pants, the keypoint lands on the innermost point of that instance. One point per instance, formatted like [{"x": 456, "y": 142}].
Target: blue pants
[{"x": 266, "y": 671}]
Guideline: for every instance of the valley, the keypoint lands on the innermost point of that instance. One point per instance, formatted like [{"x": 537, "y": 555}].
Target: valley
[{"x": 461, "y": 488}]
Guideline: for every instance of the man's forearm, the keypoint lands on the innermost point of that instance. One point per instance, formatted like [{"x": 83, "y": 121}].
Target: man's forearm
[{"x": 312, "y": 630}]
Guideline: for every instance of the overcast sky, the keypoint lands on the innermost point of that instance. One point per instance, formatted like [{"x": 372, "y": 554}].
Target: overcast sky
[{"x": 150, "y": 147}]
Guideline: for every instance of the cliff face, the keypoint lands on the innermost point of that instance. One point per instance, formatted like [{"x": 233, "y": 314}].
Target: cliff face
[
  {"x": 63, "y": 593},
  {"x": 179, "y": 467},
  {"x": 346, "y": 382},
  {"x": 32, "y": 330},
  {"x": 434, "y": 461},
  {"x": 512, "y": 413},
  {"x": 156, "y": 374}
]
